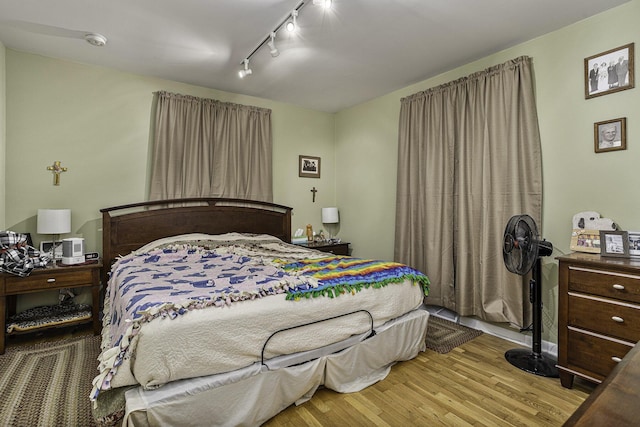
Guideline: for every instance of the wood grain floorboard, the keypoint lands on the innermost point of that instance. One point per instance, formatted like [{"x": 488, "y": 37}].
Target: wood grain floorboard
[{"x": 473, "y": 385}]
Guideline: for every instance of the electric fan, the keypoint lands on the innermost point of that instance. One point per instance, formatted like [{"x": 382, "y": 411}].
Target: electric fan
[{"x": 521, "y": 252}]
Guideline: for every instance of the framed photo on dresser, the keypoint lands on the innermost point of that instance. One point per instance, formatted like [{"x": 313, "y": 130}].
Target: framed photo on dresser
[
  {"x": 634, "y": 243},
  {"x": 614, "y": 243}
]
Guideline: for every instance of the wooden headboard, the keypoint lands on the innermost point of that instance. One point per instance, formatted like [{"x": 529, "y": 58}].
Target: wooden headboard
[{"x": 128, "y": 227}]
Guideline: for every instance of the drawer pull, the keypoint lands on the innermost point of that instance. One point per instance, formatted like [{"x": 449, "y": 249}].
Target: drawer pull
[
  {"x": 616, "y": 359},
  {"x": 618, "y": 287},
  {"x": 51, "y": 280},
  {"x": 617, "y": 319}
]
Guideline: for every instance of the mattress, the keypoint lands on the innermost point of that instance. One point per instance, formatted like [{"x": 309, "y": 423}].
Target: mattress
[{"x": 212, "y": 337}]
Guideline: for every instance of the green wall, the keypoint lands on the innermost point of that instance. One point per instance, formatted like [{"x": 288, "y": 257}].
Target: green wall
[
  {"x": 96, "y": 121},
  {"x": 575, "y": 178}
]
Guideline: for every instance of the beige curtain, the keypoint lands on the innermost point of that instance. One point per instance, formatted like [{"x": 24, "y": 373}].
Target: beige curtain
[
  {"x": 207, "y": 148},
  {"x": 469, "y": 158}
]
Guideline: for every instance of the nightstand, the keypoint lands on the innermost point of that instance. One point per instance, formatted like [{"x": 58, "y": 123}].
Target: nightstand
[
  {"x": 47, "y": 279},
  {"x": 341, "y": 248}
]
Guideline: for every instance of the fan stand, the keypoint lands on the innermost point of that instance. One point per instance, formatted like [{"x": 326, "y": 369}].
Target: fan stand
[{"x": 534, "y": 361}]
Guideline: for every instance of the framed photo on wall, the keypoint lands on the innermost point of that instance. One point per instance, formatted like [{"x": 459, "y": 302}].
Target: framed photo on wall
[
  {"x": 309, "y": 166},
  {"x": 610, "y": 135},
  {"x": 614, "y": 243},
  {"x": 609, "y": 72}
]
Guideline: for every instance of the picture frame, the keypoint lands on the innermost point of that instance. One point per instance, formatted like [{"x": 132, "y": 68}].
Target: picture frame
[
  {"x": 308, "y": 166},
  {"x": 634, "y": 244},
  {"x": 585, "y": 240},
  {"x": 609, "y": 72},
  {"x": 610, "y": 135},
  {"x": 614, "y": 243},
  {"x": 47, "y": 245}
]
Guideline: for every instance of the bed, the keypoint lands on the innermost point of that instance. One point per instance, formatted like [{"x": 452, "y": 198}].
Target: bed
[{"x": 212, "y": 316}]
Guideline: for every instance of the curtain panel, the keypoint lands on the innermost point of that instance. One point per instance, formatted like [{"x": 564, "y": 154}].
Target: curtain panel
[
  {"x": 206, "y": 148},
  {"x": 469, "y": 158}
]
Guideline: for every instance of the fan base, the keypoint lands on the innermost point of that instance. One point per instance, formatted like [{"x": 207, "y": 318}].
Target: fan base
[{"x": 537, "y": 364}]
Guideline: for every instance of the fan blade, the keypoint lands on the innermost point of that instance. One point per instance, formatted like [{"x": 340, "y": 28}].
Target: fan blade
[{"x": 47, "y": 30}]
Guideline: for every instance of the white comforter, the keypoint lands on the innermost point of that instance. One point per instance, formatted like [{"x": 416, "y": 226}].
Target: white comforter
[{"x": 226, "y": 337}]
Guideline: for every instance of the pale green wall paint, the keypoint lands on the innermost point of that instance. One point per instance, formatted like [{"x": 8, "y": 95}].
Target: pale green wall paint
[
  {"x": 575, "y": 178},
  {"x": 3, "y": 128},
  {"x": 96, "y": 121}
]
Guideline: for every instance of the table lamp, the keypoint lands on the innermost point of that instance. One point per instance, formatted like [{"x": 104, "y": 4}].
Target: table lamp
[
  {"x": 54, "y": 222},
  {"x": 330, "y": 216}
]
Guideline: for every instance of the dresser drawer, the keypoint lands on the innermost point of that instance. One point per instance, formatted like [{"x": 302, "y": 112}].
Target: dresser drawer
[
  {"x": 612, "y": 318},
  {"x": 42, "y": 280},
  {"x": 605, "y": 283},
  {"x": 596, "y": 355}
]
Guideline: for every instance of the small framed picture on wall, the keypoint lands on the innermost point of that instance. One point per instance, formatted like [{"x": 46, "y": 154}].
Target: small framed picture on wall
[
  {"x": 309, "y": 166},
  {"x": 609, "y": 72},
  {"x": 610, "y": 135}
]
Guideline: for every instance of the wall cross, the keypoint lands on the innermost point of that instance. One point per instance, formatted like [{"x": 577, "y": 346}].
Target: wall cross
[
  {"x": 57, "y": 170},
  {"x": 314, "y": 191}
]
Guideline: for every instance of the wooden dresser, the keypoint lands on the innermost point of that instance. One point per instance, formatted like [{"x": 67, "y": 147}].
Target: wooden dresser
[
  {"x": 615, "y": 401},
  {"x": 598, "y": 314}
]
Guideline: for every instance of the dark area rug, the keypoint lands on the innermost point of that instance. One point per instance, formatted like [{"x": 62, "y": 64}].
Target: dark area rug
[
  {"x": 444, "y": 335},
  {"x": 48, "y": 384}
]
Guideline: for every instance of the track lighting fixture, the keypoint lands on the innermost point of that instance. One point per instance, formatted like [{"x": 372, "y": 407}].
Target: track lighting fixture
[
  {"x": 246, "y": 71},
  {"x": 273, "y": 50},
  {"x": 292, "y": 25}
]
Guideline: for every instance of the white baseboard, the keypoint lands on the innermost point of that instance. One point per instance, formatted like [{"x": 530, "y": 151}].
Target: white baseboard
[{"x": 508, "y": 334}]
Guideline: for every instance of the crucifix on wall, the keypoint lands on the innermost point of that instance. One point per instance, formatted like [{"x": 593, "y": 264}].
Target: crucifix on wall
[
  {"x": 57, "y": 170},
  {"x": 314, "y": 191}
]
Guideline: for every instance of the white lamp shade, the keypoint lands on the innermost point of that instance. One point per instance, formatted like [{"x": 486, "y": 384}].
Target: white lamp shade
[
  {"x": 54, "y": 221},
  {"x": 330, "y": 216}
]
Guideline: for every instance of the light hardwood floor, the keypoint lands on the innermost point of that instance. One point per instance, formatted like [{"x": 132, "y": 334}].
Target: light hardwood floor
[{"x": 473, "y": 385}]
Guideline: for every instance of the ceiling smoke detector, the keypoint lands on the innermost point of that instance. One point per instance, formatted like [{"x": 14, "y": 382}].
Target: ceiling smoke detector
[{"x": 95, "y": 39}]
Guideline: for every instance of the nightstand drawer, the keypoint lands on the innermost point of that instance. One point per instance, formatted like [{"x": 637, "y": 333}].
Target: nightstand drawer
[
  {"x": 49, "y": 278},
  {"x": 598, "y": 354},
  {"x": 341, "y": 248},
  {"x": 611, "y": 318},
  {"x": 337, "y": 249},
  {"x": 605, "y": 283}
]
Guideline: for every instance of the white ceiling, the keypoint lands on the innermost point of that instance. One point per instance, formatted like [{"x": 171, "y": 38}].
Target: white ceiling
[{"x": 358, "y": 50}]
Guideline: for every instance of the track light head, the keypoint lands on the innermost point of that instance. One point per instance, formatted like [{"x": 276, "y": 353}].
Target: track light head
[
  {"x": 326, "y": 4},
  {"x": 273, "y": 50},
  {"x": 246, "y": 71},
  {"x": 292, "y": 25}
]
